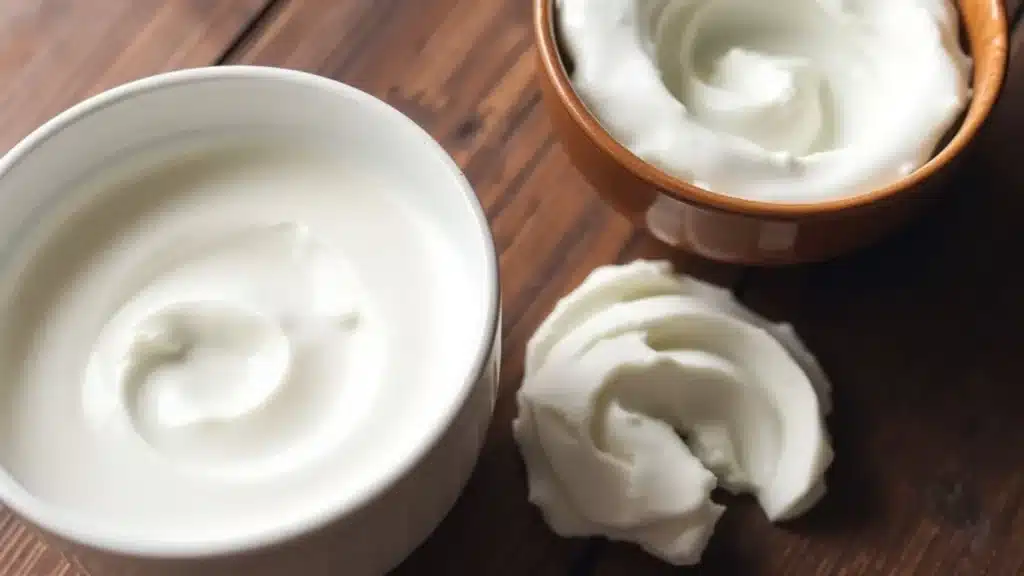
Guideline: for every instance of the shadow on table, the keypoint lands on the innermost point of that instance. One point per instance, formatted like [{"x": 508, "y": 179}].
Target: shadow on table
[{"x": 922, "y": 337}]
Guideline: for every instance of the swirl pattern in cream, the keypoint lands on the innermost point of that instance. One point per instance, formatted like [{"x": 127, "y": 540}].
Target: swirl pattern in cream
[
  {"x": 787, "y": 100},
  {"x": 229, "y": 347},
  {"x": 632, "y": 362}
]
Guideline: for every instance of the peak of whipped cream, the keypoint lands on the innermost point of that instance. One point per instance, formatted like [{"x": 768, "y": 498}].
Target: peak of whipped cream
[{"x": 632, "y": 362}]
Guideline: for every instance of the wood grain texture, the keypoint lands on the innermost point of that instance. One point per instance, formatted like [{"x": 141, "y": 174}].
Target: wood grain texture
[
  {"x": 921, "y": 338},
  {"x": 464, "y": 70},
  {"x": 54, "y": 53}
]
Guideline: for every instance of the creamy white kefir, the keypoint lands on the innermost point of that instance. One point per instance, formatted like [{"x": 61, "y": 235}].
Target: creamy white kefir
[
  {"x": 772, "y": 100},
  {"x": 204, "y": 342}
]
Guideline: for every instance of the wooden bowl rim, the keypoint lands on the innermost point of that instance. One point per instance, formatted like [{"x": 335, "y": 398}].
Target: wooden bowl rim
[{"x": 978, "y": 111}]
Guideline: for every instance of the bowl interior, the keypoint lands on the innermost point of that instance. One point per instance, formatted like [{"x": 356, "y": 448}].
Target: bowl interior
[
  {"x": 984, "y": 30},
  {"x": 186, "y": 109}
]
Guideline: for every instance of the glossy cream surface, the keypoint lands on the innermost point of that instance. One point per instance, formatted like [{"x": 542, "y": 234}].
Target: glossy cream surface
[
  {"x": 207, "y": 341},
  {"x": 782, "y": 100}
]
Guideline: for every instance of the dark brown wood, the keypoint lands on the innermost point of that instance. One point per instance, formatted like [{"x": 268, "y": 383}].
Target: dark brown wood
[
  {"x": 921, "y": 337},
  {"x": 53, "y": 53}
]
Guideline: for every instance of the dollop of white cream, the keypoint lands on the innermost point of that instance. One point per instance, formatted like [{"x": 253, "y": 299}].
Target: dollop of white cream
[
  {"x": 642, "y": 387},
  {"x": 219, "y": 335},
  {"x": 788, "y": 100}
]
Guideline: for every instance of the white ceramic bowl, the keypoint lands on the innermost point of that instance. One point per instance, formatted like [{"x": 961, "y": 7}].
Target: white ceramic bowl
[{"x": 359, "y": 534}]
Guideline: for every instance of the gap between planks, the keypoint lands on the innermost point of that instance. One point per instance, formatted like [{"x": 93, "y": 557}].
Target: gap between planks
[{"x": 250, "y": 32}]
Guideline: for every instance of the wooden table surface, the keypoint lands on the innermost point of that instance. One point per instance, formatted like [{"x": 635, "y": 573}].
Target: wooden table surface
[{"x": 920, "y": 334}]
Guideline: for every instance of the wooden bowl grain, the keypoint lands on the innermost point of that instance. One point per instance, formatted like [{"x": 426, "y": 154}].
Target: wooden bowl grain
[{"x": 739, "y": 231}]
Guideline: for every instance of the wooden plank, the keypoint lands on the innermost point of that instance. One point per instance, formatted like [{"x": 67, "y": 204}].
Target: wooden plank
[
  {"x": 920, "y": 336},
  {"x": 56, "y": 52},
  {"x": 464, "y": 70}
]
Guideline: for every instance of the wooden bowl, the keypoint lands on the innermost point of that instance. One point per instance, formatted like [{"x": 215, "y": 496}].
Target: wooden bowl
[{"x": 749, "y": 232}]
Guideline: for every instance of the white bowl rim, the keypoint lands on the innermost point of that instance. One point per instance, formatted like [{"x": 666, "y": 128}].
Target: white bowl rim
[{"x": 50, "y": 519}]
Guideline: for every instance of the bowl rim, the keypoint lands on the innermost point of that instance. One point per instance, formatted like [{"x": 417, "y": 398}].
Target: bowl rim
[
  {"x": 552, "y": 65},
  {"x": 52, "y": 520}
]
